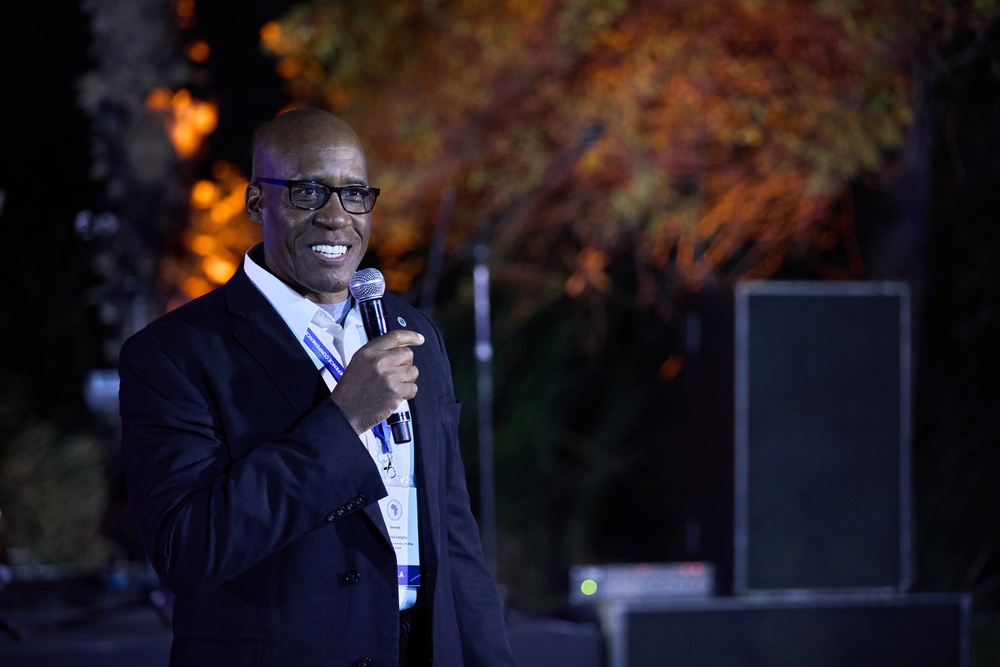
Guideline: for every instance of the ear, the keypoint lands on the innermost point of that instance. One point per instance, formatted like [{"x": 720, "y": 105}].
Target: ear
[{"x": 254, "y": 203}]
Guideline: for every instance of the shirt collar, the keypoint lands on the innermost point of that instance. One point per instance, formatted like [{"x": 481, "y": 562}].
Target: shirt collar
[{"x": 295, "y": 309}]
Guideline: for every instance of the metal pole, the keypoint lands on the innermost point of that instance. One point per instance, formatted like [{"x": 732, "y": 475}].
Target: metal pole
[{"x": 484, "y": 382}]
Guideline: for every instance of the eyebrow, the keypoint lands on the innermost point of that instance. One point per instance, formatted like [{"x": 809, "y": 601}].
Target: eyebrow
[{"x": 320, "y": 181}]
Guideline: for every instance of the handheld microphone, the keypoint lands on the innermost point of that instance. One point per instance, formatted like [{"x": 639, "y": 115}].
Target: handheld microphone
[{"x": 368, "y": 287}]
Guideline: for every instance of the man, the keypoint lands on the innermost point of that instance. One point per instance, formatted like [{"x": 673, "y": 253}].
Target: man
[{"x": 272, "y": 506}]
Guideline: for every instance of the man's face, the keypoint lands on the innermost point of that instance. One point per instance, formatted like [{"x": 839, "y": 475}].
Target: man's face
[{"x": 315, "y": 252}]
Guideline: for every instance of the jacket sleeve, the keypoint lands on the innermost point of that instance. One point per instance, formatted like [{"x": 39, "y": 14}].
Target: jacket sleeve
[
  {"x": 477, "y": 602},
  {"x": 478, "y": 607},
  {"x": 205, "y": 511}
]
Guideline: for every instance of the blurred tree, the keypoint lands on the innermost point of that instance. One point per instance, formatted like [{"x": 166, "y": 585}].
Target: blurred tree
[
  {"x": 708, "y": 141},
  {"x": 143, "y": 137},
  {"x": 53, "y": 490}
]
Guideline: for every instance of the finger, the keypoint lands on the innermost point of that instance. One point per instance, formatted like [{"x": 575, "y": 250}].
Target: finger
[
  {"x": 403, "y": 356},
  {"x": 402, "y": 338},
  {"x": 410, "y": 391},
  {"x": 409, "y": 374},
  {"x": 386, "y": 360}
]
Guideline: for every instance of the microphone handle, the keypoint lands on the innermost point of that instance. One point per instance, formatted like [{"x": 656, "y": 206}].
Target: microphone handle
[{"x": 373, "y": 317}]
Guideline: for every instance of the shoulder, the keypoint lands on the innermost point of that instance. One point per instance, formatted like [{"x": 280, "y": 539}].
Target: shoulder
[
  {"x": 398, "y": 306},
  {"x": 197, "y": 315},
  {"x": 402, "y": 315},
  {"x": 195, "y": 324},
  {"x": 238, "y": 299}
]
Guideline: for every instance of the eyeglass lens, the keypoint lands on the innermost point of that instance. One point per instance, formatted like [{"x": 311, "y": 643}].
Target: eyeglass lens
[{"x": 313, "y": 196}]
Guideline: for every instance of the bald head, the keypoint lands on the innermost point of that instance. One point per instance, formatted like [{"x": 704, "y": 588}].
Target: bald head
[{"x": 295, "y": 131}]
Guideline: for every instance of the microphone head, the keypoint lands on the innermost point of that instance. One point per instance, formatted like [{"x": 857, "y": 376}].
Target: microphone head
[{"x": 367, "y": 284}]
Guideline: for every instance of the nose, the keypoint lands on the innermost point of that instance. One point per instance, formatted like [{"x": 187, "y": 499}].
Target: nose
[{"x": 332, "y": 214}]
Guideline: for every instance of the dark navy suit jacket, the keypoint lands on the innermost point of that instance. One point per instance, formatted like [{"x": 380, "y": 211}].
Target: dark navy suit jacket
[{"x": 256, "y": 501}]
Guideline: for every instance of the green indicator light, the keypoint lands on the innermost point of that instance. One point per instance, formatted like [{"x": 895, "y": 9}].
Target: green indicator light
[{"x": 588, "y": 587}]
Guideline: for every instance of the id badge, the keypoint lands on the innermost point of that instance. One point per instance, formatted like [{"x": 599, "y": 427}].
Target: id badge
[{"x": 400, "y": 515}]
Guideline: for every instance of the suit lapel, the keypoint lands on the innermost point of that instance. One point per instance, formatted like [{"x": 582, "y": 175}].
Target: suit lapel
[{"x": 260, "y": 330}]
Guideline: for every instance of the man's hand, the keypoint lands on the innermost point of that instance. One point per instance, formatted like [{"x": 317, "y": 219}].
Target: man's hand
[{"x": 381, "y": 375}]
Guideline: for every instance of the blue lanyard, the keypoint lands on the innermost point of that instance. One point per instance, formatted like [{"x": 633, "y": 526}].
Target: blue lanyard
[{"x": 336, "y": 369}]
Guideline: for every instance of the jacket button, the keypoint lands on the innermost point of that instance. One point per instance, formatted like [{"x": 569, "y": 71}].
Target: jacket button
[{"x": 352, "y": 576}]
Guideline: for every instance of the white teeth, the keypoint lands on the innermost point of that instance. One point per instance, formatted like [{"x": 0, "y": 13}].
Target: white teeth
[{"x": 330, "y": 250}]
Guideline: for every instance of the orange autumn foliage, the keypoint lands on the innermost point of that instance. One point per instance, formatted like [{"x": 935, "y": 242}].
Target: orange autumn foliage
[{"x": 709, "y": 140}]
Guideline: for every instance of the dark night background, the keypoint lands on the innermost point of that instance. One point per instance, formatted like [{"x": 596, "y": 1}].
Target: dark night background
[
  {"x": 938, "y": 228},
  {"x": 46, "y": 176}
]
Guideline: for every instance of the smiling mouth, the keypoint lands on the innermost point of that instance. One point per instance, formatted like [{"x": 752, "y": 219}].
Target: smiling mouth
[{"x": 330, "y": 251}]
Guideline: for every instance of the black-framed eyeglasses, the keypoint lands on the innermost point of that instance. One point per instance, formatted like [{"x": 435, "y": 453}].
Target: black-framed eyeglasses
[{"x": 312, "y": 196}]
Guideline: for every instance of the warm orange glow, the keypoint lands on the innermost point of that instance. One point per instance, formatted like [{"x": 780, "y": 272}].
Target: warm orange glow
[
  {"x": 159, "y": 100},
  {"x": 188, "y": 121},
  {"x": 217, "y": 270},
  {"x": 198, "y": 51},
  {"x": 204, "y": 194},
  {"x": 289, "y": 67},
  {"x": 670, "y": 368},
  {"x": 203, "y": 245},
  {"x": 270, "y": 32},
  {"x": 193, "y": 121},
  {"x": 228, "y": 173},
  {"x": 195, "y": 286},
  {"x": 185, "y": 12},
  {"x": 219, "y": 233},
  {"x": 589, "y": 273},
  {"x": 228, "y": 208}
]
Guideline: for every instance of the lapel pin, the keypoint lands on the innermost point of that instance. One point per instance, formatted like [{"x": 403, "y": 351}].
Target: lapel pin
[{"x": 401, "y": 321}]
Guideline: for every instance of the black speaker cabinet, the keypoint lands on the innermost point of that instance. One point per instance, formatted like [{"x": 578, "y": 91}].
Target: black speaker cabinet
[
  {"x": 548, "y": 642},
  {"x": 825, "y": 630},
  {"x": 796, "y": 436}
]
